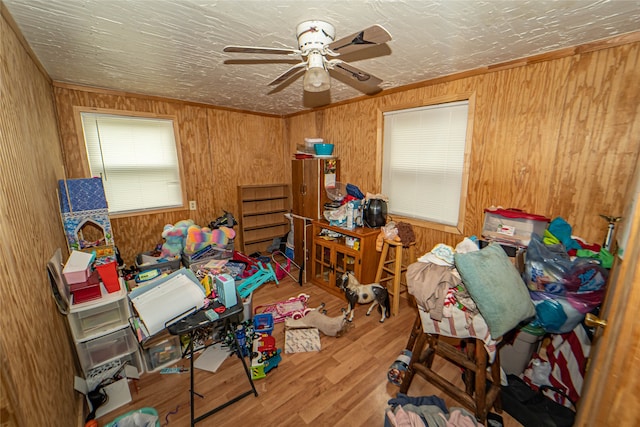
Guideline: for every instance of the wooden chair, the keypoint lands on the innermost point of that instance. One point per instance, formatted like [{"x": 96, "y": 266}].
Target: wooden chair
[
  {"x": 478, "y": 395},
  {"x": 392, "y": 266}
]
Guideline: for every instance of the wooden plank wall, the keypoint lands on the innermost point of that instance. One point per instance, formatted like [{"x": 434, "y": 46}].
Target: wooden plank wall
[
  {"x": 221, "y": 149},
  {"x": 35, "y": 349},
  {"x": 556, "y": 137},
  {"x": 552, "y": 137}
]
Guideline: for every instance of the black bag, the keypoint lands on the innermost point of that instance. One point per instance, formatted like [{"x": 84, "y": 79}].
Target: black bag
[{"x": 532, "y": 408}]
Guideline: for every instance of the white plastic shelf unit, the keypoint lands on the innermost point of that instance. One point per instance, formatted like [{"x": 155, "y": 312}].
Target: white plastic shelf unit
[{"x": 101, "y": 331}]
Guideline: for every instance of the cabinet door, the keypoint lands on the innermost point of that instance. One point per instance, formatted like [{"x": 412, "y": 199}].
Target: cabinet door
[
  {"x": 309, "y": 178},
  {"x": 323, "y": 262},
  {"x": 305, "y": 179},
  {"x": 346, "y": 260},
  {"x": 331, "y": 259}
]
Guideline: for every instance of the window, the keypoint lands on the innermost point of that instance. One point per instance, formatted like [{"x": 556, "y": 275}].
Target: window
[
  {"x": 423, "y": 165},
  {"x": 137, "y": 158}
]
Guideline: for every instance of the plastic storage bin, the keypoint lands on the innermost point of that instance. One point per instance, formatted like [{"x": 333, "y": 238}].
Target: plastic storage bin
[
  {"x": 101, "y": 372},
  {"x": 161, "y": 351},
  {"x": 128, "y": 418},
  {"x": 145, "y": 261},
  {"x": 209, "y": 253},
  {"x": 263, "y": 323},
  {"x": 107, "y": 347},
  {"x": 98, "y": 319},
  {"x": 515, "y": 357},
  {"x": 512, "y": 226}
]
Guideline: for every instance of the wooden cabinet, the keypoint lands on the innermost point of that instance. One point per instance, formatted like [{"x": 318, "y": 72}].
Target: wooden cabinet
[
  {"x": 262, "y": 209},
  {"x": 309, "y": 178},
  {"x": 348, "y": 250}
]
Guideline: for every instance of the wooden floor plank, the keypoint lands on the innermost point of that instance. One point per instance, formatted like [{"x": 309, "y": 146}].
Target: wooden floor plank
[{"x": 344, "y": 384}]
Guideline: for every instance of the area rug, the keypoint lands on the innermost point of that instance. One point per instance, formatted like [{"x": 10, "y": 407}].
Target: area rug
[{"x": 301, "y": 340}]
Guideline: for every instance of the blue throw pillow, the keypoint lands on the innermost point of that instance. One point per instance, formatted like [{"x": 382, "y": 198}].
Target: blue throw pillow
[{"x": 496, "y": 287}]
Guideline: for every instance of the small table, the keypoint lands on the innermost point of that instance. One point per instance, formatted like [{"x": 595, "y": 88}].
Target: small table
[{"x": 198, "y": 320}]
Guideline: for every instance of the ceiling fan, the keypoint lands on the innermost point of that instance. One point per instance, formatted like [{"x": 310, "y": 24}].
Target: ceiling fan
[{"x": 316, "y": 42}]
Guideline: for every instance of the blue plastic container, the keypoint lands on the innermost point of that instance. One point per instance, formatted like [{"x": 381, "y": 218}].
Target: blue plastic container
[
  {"x": 263, "y": 323},
  {"x": 323, "y": 149}
]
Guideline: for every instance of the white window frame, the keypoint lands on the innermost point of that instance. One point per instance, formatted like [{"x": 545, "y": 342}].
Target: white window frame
[
  {"x": 178, "y": 203},
  {"x": 455, "y": 226}
]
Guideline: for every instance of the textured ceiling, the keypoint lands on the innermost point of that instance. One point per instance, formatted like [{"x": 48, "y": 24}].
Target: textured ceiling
[{"x": 173, "y": 48}]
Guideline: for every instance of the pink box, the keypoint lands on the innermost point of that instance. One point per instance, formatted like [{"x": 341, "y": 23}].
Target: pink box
[{"x": 78, "y": 267}]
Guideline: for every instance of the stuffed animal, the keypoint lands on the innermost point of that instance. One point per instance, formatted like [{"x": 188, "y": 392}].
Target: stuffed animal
[
  {"x": 174, "y": 238},
  {"x": 201, "y": 237},
  {"x": 317, "y": 318}
]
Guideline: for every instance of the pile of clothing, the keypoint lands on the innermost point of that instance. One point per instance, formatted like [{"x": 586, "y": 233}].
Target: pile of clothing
[
  {"x": 436, "y": 284},
  {"x": 406, "y": 411}
]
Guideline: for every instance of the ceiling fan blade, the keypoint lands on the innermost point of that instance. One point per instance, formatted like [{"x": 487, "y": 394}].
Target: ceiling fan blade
[
  {"x": 287, "y": 74},
  {"x": 373, "y": 35},
  {"x": 354, "y": 73},
  {"x": 252, "y": 49}
]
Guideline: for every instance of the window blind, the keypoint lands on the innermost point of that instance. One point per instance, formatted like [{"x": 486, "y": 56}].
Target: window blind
[
  {"x": 423, "y": 161},
  {"x": 137, "y": 160}
]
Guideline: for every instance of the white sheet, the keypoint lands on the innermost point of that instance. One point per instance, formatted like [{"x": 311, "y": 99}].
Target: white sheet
[{"x": 178, "y": 295}]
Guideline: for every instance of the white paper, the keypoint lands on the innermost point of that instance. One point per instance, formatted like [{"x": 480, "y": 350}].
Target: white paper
[
  {"x": 211, "y": 358},
  {"x": 170, "y": 299}
]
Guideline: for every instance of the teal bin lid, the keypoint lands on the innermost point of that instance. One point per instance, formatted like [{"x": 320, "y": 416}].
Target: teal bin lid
[{"x": 533, "y": 330}]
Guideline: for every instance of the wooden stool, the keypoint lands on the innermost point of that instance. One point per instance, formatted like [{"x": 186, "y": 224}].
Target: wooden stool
[
  {"x": 473, "y": 358},
  {"x": 391, "y": 263}
]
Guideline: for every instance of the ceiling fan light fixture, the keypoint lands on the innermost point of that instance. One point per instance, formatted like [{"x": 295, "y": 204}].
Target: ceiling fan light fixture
[{"x": 317, "y": 78}]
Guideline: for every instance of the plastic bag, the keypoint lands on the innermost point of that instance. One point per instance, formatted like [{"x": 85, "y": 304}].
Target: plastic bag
[
  {"x": 585, "y": 285},
  {"x": 546, "y": 266},
  {"x": 390, "y": 230},
  {"x": 563, "y": 290},
  {"x": 554, "y": 313}
]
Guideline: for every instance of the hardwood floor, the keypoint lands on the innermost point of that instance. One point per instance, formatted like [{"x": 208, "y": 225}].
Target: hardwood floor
[{"x": 345, "y": 384}]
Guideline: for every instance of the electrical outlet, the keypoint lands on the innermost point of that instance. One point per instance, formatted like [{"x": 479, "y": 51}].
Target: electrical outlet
[{"x": 192, "y": 205}]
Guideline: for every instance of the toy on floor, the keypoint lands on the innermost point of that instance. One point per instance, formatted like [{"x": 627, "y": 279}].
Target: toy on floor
[
  {"x": 295, "y": 307},
  {"x": 265, "y": 355},
  {"x": 317, "y": 318},
  {"x": 253, "y": 282},
  {"x": 357, "y": 293}
]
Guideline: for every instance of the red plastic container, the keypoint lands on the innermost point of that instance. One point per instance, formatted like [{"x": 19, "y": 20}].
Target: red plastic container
[
  {"x": 109, "y": 276},
  {"x": 86, "y": 291}
]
